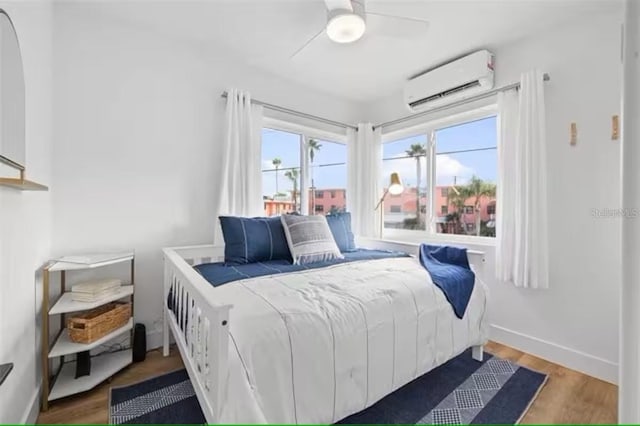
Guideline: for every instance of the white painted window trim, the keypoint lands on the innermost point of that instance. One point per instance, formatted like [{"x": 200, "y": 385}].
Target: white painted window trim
[
  {"x": 309, "y": 132},
  {"x": 429, "y": 128},
  {"x": 440, "y": 123}
]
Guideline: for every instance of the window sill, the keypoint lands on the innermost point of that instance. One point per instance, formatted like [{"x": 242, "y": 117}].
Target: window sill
[{"x": 407, "y": 236}]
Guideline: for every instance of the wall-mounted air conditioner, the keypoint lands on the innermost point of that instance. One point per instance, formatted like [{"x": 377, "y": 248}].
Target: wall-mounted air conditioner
[{"x": 456, "y": 80}]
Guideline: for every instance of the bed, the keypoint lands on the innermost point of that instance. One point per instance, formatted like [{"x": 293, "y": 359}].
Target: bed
[{"x": 313, "y": 345}]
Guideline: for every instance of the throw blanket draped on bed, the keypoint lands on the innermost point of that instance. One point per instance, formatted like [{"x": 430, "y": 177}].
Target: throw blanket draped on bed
[{"x": 450, "y": 271}]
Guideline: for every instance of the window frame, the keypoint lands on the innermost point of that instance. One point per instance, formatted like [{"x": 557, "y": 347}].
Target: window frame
[
  {"x": 429, "y": 128},
  {"x": 305, "y": 133}
]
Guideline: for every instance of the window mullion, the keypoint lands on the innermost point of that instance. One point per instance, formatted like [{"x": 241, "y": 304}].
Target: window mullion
[
  {"x": 431, "y": 181},
  {"x": 304, "y": 175}
]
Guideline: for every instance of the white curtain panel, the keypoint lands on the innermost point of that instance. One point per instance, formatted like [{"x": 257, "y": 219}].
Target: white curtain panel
[
  {"x": 521, "y": 211},
  {"x": 239, "y": 178},
  {"x": 364, "y": 164}
]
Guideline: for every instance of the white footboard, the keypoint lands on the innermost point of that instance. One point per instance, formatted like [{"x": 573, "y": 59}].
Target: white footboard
[{"x": 199, "y": 325}]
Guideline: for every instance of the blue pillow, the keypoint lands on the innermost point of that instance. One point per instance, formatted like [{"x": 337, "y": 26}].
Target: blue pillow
[
  {"x": 340, "y": 225},
  {"x": 251, "y": 240}
]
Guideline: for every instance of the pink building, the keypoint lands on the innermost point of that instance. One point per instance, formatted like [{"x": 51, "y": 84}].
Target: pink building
[
  {"x": 277, "y": 207},
  {"x": 398, "y": 208},
  {"x": 327, "y": 200},
  {"x": 406, "y": 203}
]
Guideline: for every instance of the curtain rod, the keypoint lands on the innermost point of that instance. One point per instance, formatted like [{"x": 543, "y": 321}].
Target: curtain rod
[
  {"x": 298, "y": 113},
  {"x": 490, "y": 93}
]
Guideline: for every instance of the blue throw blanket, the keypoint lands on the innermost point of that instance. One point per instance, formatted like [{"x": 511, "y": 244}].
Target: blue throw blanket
[{"x": 450, "y": 271}]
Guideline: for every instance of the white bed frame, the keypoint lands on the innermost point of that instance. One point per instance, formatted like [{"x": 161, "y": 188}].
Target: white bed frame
[{"x": 203, "y": 341}]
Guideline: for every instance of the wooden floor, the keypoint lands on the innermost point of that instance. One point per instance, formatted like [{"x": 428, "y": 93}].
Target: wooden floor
[{"x": 567, "y": 397}]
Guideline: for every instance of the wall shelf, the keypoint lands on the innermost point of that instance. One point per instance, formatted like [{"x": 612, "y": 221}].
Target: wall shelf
[
  {"x": 5, "y": 369},
  {"x": 22, "y": 184}
]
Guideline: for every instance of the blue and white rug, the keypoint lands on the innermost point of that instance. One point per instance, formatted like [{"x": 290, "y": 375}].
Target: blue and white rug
[{"x": 462, "y": 391}]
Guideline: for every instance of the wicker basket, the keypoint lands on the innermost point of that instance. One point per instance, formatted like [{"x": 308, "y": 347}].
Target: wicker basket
[{"x": 91, "y": 325}]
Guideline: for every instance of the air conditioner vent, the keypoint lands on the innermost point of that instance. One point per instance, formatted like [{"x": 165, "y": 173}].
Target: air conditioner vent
[{"x": 445, "y": 93}]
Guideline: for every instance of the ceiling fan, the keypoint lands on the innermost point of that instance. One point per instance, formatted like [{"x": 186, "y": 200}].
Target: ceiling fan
[{"x": 348, "y": 20}]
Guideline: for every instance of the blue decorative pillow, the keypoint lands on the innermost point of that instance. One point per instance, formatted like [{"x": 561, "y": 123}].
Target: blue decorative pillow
[
  {"x": 250, "y": 240},
  {"x": 340, "y": 225}
]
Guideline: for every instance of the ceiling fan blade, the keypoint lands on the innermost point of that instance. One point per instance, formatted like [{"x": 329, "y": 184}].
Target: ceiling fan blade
[
  {"x": 311, "y": 40},
  {"x": 339, "y": 4},
  {"x": 396, "y": 26}
]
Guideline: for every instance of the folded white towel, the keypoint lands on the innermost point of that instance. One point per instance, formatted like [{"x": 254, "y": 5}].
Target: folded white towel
[
  {"x": 94, "y": 297},
  {"x": 96, "y": 286}
]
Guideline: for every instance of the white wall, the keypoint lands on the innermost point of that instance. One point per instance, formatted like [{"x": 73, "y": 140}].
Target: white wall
[
  {"x": 629, "y": 371},
  {"x": 25, "y": 224},
  {"x": 137, "y": 117},
  {"x": 575, "y": 322}
]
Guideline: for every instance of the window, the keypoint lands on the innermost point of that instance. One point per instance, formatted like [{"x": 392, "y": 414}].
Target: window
[
  {"x": 467, "y": 164},
  {"x": 408, "y": 157},
  {"x": 280, "y": 172},
  {"x": 328, "y": 174},
  {"x": 455, "y": 162},
  {"x": 283, "y": 188}
]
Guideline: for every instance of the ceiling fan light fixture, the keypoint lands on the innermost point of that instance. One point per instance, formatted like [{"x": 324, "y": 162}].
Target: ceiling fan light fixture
[{"x": 346, "y": 27}]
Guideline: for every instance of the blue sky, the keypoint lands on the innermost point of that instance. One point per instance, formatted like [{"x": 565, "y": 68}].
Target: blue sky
[
  {"x": 285, "y": 146},
  {"x": 472, "y": 135}
]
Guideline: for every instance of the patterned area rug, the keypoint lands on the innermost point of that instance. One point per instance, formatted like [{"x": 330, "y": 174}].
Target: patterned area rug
[{"x": 462, "y": 391}]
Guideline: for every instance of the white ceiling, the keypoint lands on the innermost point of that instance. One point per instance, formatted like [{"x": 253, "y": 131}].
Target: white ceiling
[{"x": 265, "y": 33}]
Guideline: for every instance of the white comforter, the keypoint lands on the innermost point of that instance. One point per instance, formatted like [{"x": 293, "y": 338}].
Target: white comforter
[{"x": 317, "y": 346}]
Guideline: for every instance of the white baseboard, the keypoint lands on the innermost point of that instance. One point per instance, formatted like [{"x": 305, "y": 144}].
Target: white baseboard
[
  {"x": 558, "y": 354},
  {"x": 30, "y": 415}
]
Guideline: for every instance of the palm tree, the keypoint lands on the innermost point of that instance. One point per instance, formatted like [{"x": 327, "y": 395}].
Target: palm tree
[
  {"x": 293, "y": 175},
  {"x": 314, "y": 147},
  {"x": 416, "y": 151},
  {"x": 457, "y": 197},
  {"x": 478, "y": 189},
  {"x": 276, "y": 163},
  {"x": 465, "y": 192}
]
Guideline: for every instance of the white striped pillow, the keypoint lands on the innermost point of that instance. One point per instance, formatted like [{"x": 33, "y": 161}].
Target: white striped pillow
[{"x": 310, "y": 239}]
